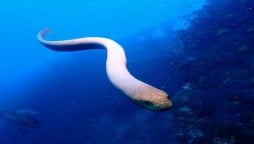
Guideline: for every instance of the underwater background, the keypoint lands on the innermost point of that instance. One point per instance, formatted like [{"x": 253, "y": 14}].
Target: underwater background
[{"x": 199, "y": 51}]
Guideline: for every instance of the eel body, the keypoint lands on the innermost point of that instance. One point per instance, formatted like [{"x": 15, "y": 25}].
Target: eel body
[{"x": 142, "y": 93}]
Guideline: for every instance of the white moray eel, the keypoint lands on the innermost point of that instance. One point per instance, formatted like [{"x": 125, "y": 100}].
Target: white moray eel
[{"x": 142, "y": 93}]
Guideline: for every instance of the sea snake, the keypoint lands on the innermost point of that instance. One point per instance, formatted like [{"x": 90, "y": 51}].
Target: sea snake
[{"x": 142, "y": 93}]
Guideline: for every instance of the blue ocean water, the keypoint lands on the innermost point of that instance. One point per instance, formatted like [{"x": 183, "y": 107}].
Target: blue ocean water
[{"x": 199, "y": 51}]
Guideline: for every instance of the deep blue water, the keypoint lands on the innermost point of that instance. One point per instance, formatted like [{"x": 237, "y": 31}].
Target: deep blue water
[{"x": 199, "y": 51}]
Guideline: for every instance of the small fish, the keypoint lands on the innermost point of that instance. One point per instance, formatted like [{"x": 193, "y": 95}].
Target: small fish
[
  {"x": 26, "y": 112},
  {"x": 187, "y": 86},
  {"x": 23, "y": 118}
]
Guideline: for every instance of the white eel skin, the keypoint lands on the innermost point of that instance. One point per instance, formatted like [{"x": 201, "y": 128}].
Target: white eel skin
[{"x": 142, "y": 93}]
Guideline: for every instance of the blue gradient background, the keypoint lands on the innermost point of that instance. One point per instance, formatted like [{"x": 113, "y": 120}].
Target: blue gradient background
[{"x": 70, "y": 91}]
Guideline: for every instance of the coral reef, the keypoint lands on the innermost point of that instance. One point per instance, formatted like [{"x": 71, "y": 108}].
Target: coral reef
[{"x": 218, "y": 64}]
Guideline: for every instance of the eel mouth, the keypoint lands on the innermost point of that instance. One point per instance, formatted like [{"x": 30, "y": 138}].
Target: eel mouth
[{"x": 154, "y": 106}]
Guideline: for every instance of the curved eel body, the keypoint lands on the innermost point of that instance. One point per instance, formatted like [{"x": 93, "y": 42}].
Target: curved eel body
[{"x": 142, "y": 93}]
